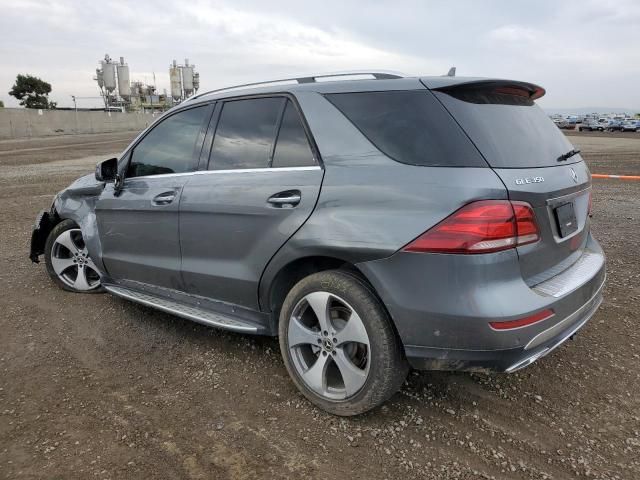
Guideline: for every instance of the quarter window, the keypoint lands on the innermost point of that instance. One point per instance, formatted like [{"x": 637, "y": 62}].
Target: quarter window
[
  {"x": 171, "y": 146},
  {"x": 410, "y": 127},
  {"x": 245, "y": 134},
  {"x": 292, "y": 146}
]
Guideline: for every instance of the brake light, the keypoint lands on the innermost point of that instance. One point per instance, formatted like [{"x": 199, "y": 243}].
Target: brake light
[
  {"x": 480, "y": 227},
  {"x": 523, "y": 322}
]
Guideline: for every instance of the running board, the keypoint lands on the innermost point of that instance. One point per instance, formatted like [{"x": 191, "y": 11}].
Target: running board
[{"x": 195, "y": 314}]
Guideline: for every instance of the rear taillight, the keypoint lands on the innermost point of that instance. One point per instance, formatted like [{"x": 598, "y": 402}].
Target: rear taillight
[{"x": 480, "y": 227}]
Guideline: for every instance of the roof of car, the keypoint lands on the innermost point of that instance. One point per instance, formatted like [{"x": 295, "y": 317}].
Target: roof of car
[{"x": 336, "y": 85}]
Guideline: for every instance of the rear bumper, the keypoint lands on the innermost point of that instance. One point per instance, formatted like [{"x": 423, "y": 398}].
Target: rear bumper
[
  {"x": 442, "y": 306},
  {"x": 510, "y": 360}
]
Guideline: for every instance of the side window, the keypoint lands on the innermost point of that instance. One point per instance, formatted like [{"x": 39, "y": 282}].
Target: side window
[
  {"x": 170, "y": 146},
  {"x": 245, "y": 134},
  {"x": 292, "y": 146},
  {"x": 410, "y": 127}
]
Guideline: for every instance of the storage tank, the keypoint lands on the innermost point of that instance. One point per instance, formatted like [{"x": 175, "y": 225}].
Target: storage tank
[
  {"x": 196, "y": 81},
  {"x": 108, "y": 74},
  {"x": 176, "y": 81},
  {"x": 187, "y": 78},
  {"x": 99, "y": 78},
  {"x": 124, "y": 87}
]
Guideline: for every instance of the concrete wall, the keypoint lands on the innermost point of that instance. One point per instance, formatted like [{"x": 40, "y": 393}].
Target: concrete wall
[{"x": 25, "y": 123}]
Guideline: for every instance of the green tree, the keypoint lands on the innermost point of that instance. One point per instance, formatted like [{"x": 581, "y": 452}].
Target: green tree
[
  {"x": 1, "y": 104},
  {"x": 32, "y": 92}
]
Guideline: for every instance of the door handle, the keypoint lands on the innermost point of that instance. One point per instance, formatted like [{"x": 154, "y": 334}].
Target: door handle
[
  {"x": 164, "y": 198},
  {"x": 287, "y": 199}
]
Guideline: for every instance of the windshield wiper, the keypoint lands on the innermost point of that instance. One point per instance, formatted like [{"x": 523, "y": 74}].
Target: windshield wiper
[{"x": 568, "y": 155}]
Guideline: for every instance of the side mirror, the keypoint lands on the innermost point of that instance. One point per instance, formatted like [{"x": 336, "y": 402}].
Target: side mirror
[{"x": 107, "y": 170}]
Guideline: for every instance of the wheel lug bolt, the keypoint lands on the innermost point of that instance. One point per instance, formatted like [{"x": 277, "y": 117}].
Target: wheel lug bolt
[
  {"x": 324, "y": 353},
  {"x": 325, "y": 333},
  {"x": 335, "y": 340},
  {"x": 319, "y": 340}
]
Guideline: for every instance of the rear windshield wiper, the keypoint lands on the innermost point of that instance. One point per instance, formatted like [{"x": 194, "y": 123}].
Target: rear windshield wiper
[{"x": 568, "y": 155}]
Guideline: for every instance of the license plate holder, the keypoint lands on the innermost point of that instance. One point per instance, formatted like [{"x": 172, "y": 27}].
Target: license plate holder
[{"x": 566, "y": 219}]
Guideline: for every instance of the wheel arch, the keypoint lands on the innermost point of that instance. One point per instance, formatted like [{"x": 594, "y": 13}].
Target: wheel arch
[{"x": 291, "y": 273}]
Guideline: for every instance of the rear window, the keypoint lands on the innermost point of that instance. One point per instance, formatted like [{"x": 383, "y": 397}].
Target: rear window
[
  {"x": 510, "y": 131},
  {"x": 411, "y": 127}
]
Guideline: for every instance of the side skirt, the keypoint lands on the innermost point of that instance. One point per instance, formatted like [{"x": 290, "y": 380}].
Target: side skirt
[{"x": 191, "y": 307}]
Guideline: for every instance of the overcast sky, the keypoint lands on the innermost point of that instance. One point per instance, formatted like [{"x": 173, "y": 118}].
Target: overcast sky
[{"x": 586, "y": 53}]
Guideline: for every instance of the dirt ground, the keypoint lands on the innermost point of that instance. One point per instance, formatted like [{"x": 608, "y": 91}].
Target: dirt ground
[{"x": 92, "y": 386}]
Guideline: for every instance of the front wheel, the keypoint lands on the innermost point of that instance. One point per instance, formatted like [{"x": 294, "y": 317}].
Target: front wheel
[
  {"x": 68, "y": 262},
  {"x": 338, "y": 344}
]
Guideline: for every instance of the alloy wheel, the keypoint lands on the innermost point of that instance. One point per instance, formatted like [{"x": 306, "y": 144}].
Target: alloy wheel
[
  {"x": 329, "y": 346},
  {"x": 70, "y": 260}
]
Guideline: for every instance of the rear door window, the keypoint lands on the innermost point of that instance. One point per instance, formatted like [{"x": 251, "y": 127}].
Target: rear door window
[
  {"x": 410, "y": 127},
  {"x": 245, "y": 133},
  {"x": 292, "y": 146},
  {"x": 510, "y": 130}
]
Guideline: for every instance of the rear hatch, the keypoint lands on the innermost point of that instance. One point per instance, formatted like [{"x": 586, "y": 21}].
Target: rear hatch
[{"x": 534, "y": 160}]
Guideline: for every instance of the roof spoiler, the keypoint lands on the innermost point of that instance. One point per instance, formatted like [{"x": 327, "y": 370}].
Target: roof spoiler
[{"x": 505, "y": 87}]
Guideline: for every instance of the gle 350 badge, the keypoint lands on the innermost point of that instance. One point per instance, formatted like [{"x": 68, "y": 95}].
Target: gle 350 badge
[{"x": 526, "y": 180}]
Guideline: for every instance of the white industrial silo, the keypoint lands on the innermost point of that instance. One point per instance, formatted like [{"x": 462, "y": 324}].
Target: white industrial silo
[
  {"x": 187, "y": 78},
  {"x": 196, "y": 81},
  {"x": 176, "y": 81},
  {"x": 108, "y": 74},
  {"x": 124, "y": 87},
  {"x": 99, "y": 78}
]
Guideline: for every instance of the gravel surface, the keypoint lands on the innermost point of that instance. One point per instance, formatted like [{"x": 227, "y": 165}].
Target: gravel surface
[{"x": 92, "y": 386}]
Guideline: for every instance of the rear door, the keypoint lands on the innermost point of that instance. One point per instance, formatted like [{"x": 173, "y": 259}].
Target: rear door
[
  {"x": 261, "y": 184},
  {"x": 529, "y": 154}
]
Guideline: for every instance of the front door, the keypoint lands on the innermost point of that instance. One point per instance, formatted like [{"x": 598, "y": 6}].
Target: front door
[
  {"x": 138, "y": 225},
  {"x": 262, "y": 184}
]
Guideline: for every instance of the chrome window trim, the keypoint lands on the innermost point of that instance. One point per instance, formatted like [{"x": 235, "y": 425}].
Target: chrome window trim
[{"x": 233, "y": 170}]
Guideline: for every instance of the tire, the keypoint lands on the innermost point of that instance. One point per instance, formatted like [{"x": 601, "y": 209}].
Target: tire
[
  {"x": 66, "y": 258},
  {"x": 375, "y": 365}
]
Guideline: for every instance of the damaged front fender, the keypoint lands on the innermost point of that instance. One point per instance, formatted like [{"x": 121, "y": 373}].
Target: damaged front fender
[{"x": 76, "y": 202}]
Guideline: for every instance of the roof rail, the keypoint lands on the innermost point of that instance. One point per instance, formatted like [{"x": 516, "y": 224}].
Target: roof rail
[{"x": 381, "y": 75}]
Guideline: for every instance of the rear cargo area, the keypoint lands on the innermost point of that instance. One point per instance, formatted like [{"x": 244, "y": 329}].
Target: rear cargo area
[{"x": 535, "y": 161}]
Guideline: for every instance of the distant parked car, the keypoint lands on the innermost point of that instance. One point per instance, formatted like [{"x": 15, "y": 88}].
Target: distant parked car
[
  {"x": 630, "y": 126},
  {"x": 614, "y": 125},
  {"x": 591, "y": 125}
]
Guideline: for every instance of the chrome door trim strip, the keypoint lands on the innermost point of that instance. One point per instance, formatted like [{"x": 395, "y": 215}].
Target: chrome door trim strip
[{"x": 237, "y": 170}]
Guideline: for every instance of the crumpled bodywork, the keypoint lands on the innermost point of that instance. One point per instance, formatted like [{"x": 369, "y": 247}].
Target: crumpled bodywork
[{"x": 77, "y": 202}]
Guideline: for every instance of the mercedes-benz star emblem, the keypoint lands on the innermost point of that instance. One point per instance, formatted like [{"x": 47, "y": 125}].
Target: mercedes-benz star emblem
[{"x": 574, "y": 175}]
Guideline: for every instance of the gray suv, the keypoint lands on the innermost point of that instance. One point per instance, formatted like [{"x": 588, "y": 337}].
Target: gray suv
[{"x": 439, "y": 223}]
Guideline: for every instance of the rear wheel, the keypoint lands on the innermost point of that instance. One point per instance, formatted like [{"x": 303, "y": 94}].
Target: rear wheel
[
  {"x": 68, "y": 262},
  {"x": 338, "y": 344}
]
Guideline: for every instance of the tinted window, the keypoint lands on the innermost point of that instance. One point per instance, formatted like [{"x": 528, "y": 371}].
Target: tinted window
[
  {"x": 170, "y": 146},
  {"x": 245, "y": 134},
  {"x": 510, "y": 133},
  {"x": 410, "y": 127},
  {"x": 292, "y": 147}
]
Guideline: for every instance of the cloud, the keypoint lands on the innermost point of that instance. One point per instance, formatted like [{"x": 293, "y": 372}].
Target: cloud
[
  {"x": 514, "y": 33},
  {"x": 568, "y": 46}
]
